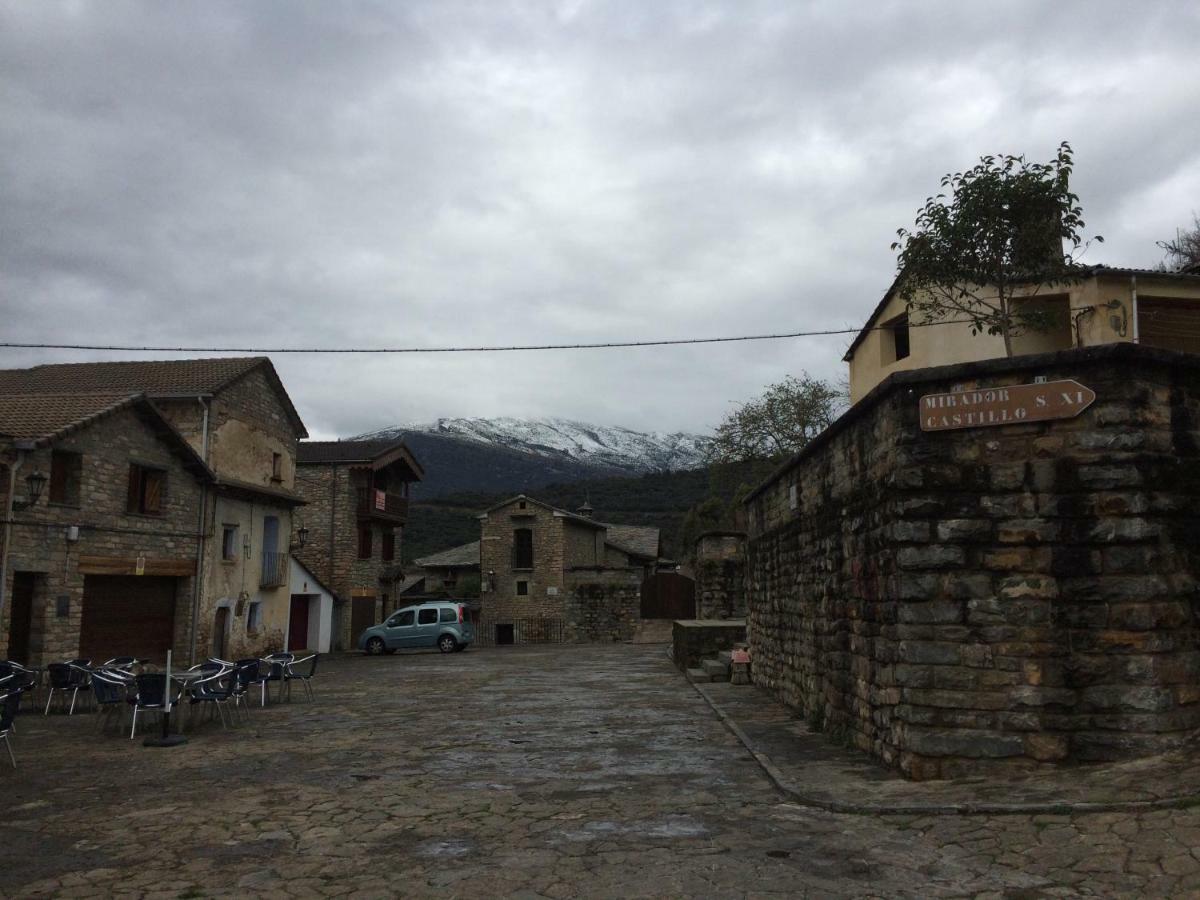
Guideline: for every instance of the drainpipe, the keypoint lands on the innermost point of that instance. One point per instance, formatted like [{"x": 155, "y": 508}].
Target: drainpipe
[
  {"x": 201, "y": 524},
  {"x": 332, "y": 518},
  {"x": 1133, "y": 290},
  {"x": 8, "y": 515}
]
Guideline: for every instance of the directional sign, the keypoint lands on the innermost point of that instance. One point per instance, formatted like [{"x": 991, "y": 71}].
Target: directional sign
[{"x": 1013, "y": 405}]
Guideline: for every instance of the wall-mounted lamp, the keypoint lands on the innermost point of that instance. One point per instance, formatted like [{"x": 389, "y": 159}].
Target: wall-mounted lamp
[
  {"x": 35, "y": 483},
  {"x": 301, "y": 537}
]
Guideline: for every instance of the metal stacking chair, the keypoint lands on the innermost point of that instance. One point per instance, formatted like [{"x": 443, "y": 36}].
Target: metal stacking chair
[
  {"x": 277, "y": 664},
  {"x": 216, "y": 688},
  {"x": 110, "y": 687},
  {"x": 66, "y": 677},
  {"x": 151, "y": 696},
  {"x": 16, "y": 677},
  {"x": 295, "y": 671},
  {"x": 245, "y": 676},
  {"x": 10, "y": 703}
]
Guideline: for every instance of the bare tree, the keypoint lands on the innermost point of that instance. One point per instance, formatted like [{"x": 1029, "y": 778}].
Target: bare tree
[{"x": 1183, "y": 253}]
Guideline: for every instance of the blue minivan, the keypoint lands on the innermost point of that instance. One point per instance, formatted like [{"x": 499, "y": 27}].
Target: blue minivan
[{"x": 440, "y": 624}]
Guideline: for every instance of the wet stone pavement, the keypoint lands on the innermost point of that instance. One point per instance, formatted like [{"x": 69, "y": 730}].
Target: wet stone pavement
[{"x": 536, "y": 772}]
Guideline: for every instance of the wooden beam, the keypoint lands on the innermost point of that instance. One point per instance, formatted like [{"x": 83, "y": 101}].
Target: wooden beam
[{"x": 127, "y": 565}]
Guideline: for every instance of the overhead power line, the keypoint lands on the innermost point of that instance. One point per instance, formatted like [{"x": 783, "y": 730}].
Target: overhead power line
[{"x": 498, "y": 348}]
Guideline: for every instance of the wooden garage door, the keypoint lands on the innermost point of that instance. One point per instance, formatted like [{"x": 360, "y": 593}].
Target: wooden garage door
[{"x": 127, "y": 616}]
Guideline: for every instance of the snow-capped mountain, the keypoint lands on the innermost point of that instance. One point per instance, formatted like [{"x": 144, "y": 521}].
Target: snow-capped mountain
[{"x": 608, "y": 449}]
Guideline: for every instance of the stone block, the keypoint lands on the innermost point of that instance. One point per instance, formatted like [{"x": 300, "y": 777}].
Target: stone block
[
  {"x": 1009, "y": 477},
  {"x": 1035, "y": 696},
  {"x": 1047, "y": 747},
  {"x": 1138, "y": 698},
  {"x": 1109, "y": 477},
  {"x": 1125, "y": 529},
  {"x": 1018, "y": 559},
  {"x": 1027, "y": 531},
  {"x": 909, "y": 531},
  {"x": 931, "y": 556},
  {"x": 929, "y": 652},
  {"x": 1148, "y": 616},
  {"x": 961, "y": 742},
  {"x": 964, "y": 530},
  {"x": 933, "y": 612}
]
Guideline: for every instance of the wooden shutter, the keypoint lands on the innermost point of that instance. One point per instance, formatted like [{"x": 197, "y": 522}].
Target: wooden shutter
[
  {"x": 135, "y": 488},
  {"x": 59, "y": 474},
  {"x": 389, "y": 546},
  {"x": 364, "y": 542},
  {"x": 152, "y": 491}
]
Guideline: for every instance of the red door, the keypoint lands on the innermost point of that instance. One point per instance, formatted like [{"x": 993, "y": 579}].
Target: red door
[{"x": 298, "y": 623}]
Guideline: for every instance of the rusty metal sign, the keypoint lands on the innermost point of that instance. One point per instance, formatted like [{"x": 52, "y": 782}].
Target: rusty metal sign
[{"x": 1013, "y": 405}]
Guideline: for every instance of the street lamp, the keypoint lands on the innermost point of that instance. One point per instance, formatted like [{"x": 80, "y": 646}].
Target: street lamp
[
  {"x": 302, "y": 536},
  {"x": 35, "y": 482}
]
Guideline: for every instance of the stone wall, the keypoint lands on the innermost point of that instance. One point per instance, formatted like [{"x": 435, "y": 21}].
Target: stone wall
[
  {"x": 603, "y": 604},
  {"x": 991, "y": 597},
  {"x": 720, "y": 567}
]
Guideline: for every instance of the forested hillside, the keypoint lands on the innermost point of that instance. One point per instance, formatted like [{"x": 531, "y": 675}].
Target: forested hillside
[{"x": 661, "y": 499}]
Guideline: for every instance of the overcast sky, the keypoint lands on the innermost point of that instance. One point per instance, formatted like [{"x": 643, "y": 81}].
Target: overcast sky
[{"x": 431, "y": 174}]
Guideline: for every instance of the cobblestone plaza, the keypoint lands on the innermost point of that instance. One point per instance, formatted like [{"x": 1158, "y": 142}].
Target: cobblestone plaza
[{"x": 530, "y": 771}]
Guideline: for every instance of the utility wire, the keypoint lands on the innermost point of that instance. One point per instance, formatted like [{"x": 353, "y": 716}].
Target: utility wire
[{"x": 604, "y": 345}]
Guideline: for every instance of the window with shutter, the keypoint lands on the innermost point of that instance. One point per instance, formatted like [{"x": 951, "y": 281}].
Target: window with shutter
[
  {"x": 523, "y": 548},
  {"x": 147, "y": 490},
  {"x": 66, "y": 469},
  {"x": 389, "y": 546},
  {"x": 364, "y": 542}
]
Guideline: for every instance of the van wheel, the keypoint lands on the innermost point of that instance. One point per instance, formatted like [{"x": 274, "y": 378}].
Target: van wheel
[
  {"x": 447, "y": 643},
  {"x": 375, "y": 646}
]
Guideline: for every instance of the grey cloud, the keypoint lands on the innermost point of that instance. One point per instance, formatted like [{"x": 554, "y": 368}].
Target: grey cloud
[{"x": 275, "y": 173}]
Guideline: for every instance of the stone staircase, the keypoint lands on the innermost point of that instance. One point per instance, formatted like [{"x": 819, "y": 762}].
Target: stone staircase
[{"x": 721, "y": 668}]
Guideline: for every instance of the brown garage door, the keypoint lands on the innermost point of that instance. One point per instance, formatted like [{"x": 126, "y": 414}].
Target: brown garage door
[{"x": 127, "y": 616}]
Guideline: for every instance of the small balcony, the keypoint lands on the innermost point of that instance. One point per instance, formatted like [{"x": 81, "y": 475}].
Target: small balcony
[
  {"x": 274, "y": 569},
  {"x": 373, "y": 504}
]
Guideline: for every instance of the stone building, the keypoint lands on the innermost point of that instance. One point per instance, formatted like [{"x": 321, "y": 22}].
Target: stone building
[
  {"x": 552, "y": 575},
  {"x": 448, "y": 572},
  {"x": 1110, "y": 305},
  {"x": 237, "y": 417},
  {"x": 357, "y": 494},
  {"x": 104, "y": 560},
  {"x": 991, "y": 598}
]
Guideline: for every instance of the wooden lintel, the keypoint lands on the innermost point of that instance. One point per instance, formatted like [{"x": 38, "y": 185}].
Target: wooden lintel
[
  {"x": 362, "y": 592},
  {"x": 128, "y": 565}
]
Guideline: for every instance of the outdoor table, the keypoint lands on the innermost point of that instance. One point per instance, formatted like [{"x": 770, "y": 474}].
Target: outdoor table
[{"x": 183, "y": 678}]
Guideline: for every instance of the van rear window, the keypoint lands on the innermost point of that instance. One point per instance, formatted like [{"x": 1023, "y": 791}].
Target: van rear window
[{"x": 449, "y": 615}]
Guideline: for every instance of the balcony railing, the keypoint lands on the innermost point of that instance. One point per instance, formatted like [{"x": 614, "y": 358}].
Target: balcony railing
[
  {"x": 274, "y": 569},
  {"x": 374, "y": 504}
]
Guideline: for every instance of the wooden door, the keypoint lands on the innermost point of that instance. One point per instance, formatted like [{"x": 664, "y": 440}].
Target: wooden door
[
  {"x": 22, "y": 616},
  {"x": 220, "y": 633},
  {"x": 362, "y": 617},
  {"x": 668, "y": 595},
  {"x": 127, "y": 616},
  {"x": 298, "y": 623}
]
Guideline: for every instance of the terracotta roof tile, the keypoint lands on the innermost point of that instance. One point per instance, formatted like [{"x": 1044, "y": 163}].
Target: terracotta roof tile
[
  {"x": 43, "y": 416},
  {"x": 176, "y": 376},
  {"x": 155, "y": 378}
]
